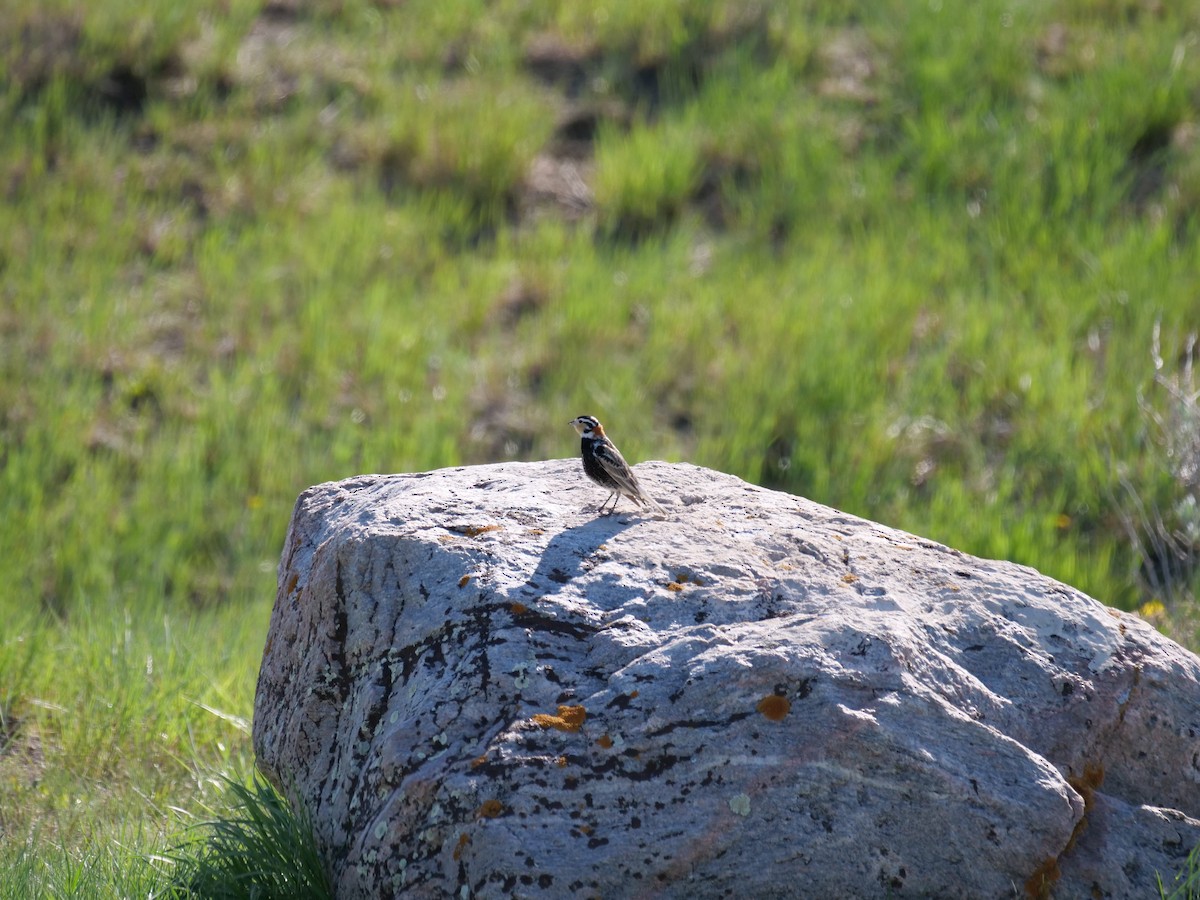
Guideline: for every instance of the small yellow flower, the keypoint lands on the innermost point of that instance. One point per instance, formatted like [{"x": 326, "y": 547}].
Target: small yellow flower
[{"x": 1151, "y": 609}]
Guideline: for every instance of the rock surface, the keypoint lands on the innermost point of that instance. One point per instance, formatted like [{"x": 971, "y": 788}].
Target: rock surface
[{"x": 476, "y": 686}]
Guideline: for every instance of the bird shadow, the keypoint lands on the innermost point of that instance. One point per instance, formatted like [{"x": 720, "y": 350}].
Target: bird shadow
[{"x": 562, "y": 560}]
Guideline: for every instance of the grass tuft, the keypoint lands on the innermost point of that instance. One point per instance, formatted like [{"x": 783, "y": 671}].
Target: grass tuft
[
  {"x": 259, "y": 848},
  {"x": 1164, "y": 525},
  {"x": 1186, "y": 884},
  {"x": 644, "y": 179}
]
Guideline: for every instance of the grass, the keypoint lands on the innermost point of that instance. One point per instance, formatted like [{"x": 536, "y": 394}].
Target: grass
[
  {"x": 930, "y": 263},
  {"x": 1186, "y": 884},
  {"x": 260, "y": 849}
]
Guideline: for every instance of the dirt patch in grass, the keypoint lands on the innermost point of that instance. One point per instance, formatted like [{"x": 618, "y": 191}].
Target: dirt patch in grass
[
  {"x": 22, "y": 761},
  {"x": 41, "y": 47},
  {"x": 850, "y": 67},
  {"x": 556, "y": 186}
]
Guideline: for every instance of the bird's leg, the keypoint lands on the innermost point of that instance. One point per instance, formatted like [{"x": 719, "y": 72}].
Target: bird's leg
[{"x": 614, "y": 496}]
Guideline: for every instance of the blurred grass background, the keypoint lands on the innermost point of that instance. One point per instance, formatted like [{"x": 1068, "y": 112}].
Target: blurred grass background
[{"x": 931, "y": 263}]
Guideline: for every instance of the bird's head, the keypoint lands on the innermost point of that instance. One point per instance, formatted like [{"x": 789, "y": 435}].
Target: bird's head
[{"x": 588, "y": 426}]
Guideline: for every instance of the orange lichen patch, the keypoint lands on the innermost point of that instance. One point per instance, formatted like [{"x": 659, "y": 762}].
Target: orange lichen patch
[
  {"x": 518, "y": 608},
  {"x": 561, "y": 762},
  {"x": 462, "y": 582},
  {"x": 633, "y": 695},
  {"x": 604, "y": 741},
  {"x": 1087, "y": 784},
  {"x": 774, "y": 707},
  {"x": 1038, "y": 886},
  {"x": 535, "y": 531},
  {"x": 849, "y": 578},
  {"x": 474, "y": 530},
  {"x": 479, "y": 761},
  {"x": 569, "y": 718},
  {"x": 489, "y": 809},
  {"x": 463, "y": 840},
  {"x": 674, "y": 586},
  {"x": 292, "y": 582}
]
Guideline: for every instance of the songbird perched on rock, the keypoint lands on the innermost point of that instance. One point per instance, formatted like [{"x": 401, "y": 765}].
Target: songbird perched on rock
[{"x": 604, "y": 464}]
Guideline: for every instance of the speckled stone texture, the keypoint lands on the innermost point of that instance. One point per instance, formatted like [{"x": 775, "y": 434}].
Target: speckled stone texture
[{"x": 478, "y": 687}]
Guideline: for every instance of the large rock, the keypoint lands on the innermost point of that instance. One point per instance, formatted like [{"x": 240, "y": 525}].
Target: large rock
[{"x": 476, "y": 686}]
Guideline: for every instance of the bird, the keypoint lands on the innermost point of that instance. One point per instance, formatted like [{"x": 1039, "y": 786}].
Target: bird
[{"x": 604, "y": 464}]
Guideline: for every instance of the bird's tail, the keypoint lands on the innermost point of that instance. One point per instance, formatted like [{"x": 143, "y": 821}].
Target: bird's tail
[{"x": 650, "y": 503}]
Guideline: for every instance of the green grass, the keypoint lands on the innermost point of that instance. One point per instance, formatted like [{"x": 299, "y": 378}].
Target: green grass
[
  {"x": 1186, "y": 884},
  {"x": 909, "y": 260},
  {"x": 259, "y": 849}
]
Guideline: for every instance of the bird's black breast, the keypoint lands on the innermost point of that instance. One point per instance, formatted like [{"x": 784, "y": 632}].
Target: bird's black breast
[{"x": 591, "y": 466}]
